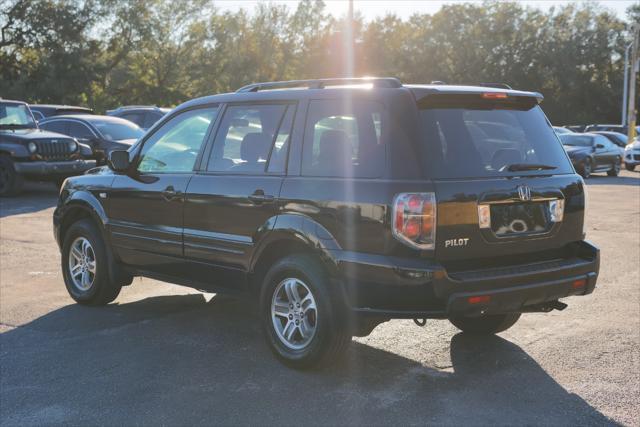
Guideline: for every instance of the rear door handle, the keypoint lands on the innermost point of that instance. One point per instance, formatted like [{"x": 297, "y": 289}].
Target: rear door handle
[
  {"x": 258, "y": 197},
  {"x": 170, "y": 193}
]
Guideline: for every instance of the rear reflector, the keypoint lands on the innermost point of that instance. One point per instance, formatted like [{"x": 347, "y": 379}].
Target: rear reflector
[
  {"x": 482, "y": 299},
  {"x": 494, "y": 95},
  {"x": 577, "y": 284}
]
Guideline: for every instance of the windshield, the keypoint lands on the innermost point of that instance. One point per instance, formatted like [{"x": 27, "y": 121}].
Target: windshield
[
  {"x": 576, "y": 140},
  {"x": 465, "y": 137},
  {"x": 16, "y": 116},
  {"x": 117, "y": 131}
]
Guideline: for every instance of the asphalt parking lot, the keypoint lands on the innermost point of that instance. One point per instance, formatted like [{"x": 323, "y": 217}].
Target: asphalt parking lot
[{"x": 163, "y": 354}]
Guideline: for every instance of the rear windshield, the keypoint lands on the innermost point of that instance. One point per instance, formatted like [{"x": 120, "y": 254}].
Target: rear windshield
[
  {"x": 467, "y": 137},
  {"x": 576, "y": 140},
  {"x": 119, "y": 130}
]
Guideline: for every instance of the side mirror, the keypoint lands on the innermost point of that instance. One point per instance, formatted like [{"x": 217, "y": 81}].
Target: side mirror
[
  {"x": 119, "y": 161},
  {"x": 599, "y": 146}
]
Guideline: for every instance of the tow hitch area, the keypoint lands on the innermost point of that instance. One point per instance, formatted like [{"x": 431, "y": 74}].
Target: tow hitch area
[{"x": 545, "y": 307}]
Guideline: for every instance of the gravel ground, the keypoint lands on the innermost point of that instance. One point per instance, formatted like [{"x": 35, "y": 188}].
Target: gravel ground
[{"x": 164, "y": 354}]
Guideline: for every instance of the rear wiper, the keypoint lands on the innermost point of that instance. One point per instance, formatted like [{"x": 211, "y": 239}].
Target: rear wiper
[{"x": 528, "y": 167}]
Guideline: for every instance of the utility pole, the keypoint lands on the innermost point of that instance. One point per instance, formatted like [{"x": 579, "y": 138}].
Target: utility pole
[
  {"x": 350, "y": 45},
  {"x": 625, "y": 87},
  {"x": 631, "y": 130}
]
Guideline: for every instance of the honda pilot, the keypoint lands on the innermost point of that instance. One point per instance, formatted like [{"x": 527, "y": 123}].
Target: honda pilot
[{"x": 338, "y": 204}]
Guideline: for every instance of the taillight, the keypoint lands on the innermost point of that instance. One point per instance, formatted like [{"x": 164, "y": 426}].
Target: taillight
[{"x": 414, "y": 219}]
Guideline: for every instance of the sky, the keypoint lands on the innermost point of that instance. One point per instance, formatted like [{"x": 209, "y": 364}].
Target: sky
[{"x": 371, "y": 9}]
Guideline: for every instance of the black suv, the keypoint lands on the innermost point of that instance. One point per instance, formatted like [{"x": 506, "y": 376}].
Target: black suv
[
  {"x": 340, "y": 205},
  {"x": 29, "y": 152}
]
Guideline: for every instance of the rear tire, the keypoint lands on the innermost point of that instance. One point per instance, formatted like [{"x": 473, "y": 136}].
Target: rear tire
[
  {"x": 303, "y": 317},
  {"x": 586, "y": 168},
  {"x": 615, "y": 168},
  {"x": 485, "y": 325},
  {"x": 10, "y": 180},
  {"x": 85, "y": 265},
  {"x": 629, "y": 167}
]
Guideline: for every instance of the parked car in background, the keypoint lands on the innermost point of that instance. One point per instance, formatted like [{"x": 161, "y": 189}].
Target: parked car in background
[
  {"x": 610, "y": 128},
  {"x": 560, "y": 129},
  {"x": 591, "y": 153},
  {"x": 144, "y": 116},
  {"x": 102, "y": 133},
  {"x": 632, "y": 155},
  {"x": 28, "y": 152},
  {"x": 337, "y": 205},
  {"x": 620, "y": 139},
  {"x": 41, "y": 111}
]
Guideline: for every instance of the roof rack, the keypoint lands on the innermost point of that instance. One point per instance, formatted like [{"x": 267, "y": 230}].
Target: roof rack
[
  {"x": 496, "y": 85},
  {"x": 380, "y": 82}
]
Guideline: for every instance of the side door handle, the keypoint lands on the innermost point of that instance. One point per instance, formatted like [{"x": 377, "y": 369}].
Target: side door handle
[
  {"x": 258, "y": 197},
  {"x": 170, "y": 194}
]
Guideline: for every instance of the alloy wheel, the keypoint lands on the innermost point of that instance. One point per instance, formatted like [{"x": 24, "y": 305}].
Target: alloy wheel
[
  {"x": 294, "y": 313},
  {"x": 82, "y": 264}
]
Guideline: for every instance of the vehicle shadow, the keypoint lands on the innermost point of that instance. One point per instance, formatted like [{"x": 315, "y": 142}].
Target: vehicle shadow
[
  {"x": 183, "y": 360},
  {"x": 614, "y": 180},
  {"x": 35, "y": 196}
]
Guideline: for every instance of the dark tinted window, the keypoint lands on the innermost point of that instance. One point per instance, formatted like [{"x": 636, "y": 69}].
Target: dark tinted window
[
  {"x": 245, "y": 137},
  {"x": 470, "y": 137},
  {"x": 150, "y": 119},
  {"x": 137, "y": 118},
  {"x": 344, "y": 139},
  {"x": 576, "y": 140},
  {"x": 78, "y": 130},
  {"x": 58, "y": 126}
]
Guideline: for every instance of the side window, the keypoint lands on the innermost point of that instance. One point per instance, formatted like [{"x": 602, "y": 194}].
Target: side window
[
  {"x": 37, "y": 115},
  {"x": 150, "y": 119},
  {"x": 344, "y": 140},
  {"x": 245, "y": 138},
  {"x": 174, "y": 147},
  {"x": 278, "y": 158},
  {"x": 58, "y": 126},
  {"x": 136, "y": 118},
  {"x": 78, "y": 130}
]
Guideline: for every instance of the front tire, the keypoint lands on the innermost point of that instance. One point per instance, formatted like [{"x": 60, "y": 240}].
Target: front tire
[
  {"x": 629, "y": 167},
  {"x": 85, "y": 265},
  {"x": 10, "y": 180},
  {"x": 302, "y": 315},
  {"x": 615, "y": 168},
  {"x": 485, "y": 325}
]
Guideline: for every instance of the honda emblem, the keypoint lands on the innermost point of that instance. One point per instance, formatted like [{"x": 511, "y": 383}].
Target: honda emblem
[{"x": 524, "y": 192}]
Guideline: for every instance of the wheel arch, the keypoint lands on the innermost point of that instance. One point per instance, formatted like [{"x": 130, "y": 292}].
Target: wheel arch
[
  {"x": 292, "y": 233},
  {"x": 79, "y": 205}
]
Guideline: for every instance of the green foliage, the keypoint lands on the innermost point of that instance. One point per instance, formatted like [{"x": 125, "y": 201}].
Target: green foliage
[{"x": 105, "y": 53}]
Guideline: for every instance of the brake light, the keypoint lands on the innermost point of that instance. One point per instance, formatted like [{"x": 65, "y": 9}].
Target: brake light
[
  {"x": 494, "y": 95},
  {"x": 414, "y": 219}
]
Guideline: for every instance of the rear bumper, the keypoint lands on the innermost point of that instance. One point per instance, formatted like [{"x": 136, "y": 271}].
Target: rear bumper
[
  {"x": 406, "y": 288},
  {"x": 64, "y": 168}
]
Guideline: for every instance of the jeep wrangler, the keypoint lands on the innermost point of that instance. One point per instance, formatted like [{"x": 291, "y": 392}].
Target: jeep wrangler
[
  {"x": 32, "y": 153},
  {"x": 340, "y": 205}
]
